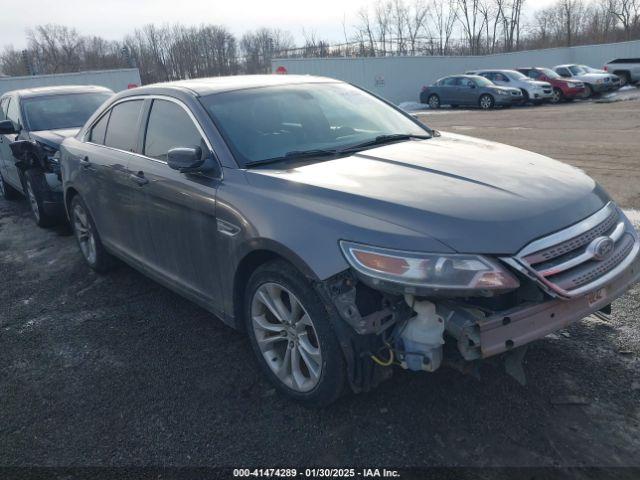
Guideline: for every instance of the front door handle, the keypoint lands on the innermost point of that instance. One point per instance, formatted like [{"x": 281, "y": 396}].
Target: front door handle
[
  {"x": 85, "y": 163},
  {"x": 139, "y": 178}
]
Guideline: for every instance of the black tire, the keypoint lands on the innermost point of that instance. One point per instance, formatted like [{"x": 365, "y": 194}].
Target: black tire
[
  {"x": 332, "y": 377},
  {"x": 433, "y": 101},
  {"x": 588, "y": 91},
  {"x": 558, "y": 96},
  {"x": 486, "y": 102},
  {"x": 525, "y": 96},
  {"x": 34, "y": 186},
  {"x": 103, "y": 261},
  {"x": 625, "y": 78},
  {"x": 7, "y": 192}
]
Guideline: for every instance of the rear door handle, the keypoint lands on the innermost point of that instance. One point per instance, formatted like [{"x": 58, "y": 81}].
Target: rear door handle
[
  {"x": 139, "y": 178},
  {"x": 84, "y": 162}
]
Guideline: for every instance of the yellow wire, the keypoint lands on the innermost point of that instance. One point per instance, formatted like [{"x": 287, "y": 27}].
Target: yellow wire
[{"x": 383, "y": 363}]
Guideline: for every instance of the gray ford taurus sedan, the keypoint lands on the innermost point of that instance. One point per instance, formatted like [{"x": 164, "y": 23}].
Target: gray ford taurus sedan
[{"x": 342, "y": 235}]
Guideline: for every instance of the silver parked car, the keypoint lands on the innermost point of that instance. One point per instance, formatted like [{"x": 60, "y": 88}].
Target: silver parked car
[
  {"x": 533, "y": 91},
  {"x": 341, "y": 234},
  {"x": 594, "y": 82},
  {"x": 469, "y": 90}
]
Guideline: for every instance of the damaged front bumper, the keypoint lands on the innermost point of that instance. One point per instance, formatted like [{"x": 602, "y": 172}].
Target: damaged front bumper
[{"x": 482, "y": 336}]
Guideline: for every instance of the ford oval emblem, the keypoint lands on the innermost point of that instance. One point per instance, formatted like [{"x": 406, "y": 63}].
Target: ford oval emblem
[{"x": 601, "y": 247}]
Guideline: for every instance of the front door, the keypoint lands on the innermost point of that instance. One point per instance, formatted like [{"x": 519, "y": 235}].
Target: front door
[
  {"x": 9, "y": 170},
  {"x": 180, "y": 207}
]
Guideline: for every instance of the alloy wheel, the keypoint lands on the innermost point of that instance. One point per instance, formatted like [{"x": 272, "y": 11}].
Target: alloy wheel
[
  {"x": 434, "y": 102},
  {"x": 33, "y": 201},
  {"x": 557, "y": 96},
  {"x": 84, "y": 234},
  {"x": 286, "y": 336},
  {"x": 485, "y": 102}
]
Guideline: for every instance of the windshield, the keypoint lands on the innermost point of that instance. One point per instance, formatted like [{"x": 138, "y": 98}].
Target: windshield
[
  {"x": 265, "y": 123},
  {"x": 589, "y": 69},
  {"x": 54, "y": 112},
  {"x": 550, "y": 73},
  {"x": 576, "y": 70},
  {"x": 482, "y": 82},
  {"x": 513, "y": 75}
]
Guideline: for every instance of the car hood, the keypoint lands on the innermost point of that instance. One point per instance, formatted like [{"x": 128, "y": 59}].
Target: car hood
[
  {"x": 53, "y": 138},
  {"x": 471, "y": 195},
  {"x": 591, "y": 76},
  {"x": 538, "y": 83}
]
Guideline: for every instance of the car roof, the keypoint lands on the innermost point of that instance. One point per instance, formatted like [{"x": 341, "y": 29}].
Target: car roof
[
  {"x": 207, "y": 86},
  {"x": 57, "y": 90}
]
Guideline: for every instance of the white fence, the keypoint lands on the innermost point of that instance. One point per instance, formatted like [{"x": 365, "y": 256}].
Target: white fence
[
  {"x": 116, "y": 80},
  {"x": 400, "y": 79}
]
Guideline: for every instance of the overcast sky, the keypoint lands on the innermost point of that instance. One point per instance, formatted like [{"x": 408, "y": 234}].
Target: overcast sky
[{"x": 112, "y": 19}]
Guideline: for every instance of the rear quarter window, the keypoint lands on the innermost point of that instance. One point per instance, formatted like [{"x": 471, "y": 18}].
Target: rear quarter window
[{"x": 97, "y": 133}]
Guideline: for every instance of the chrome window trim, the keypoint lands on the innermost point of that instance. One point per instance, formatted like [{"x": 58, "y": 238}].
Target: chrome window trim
[{"x": 86, "y": 130}]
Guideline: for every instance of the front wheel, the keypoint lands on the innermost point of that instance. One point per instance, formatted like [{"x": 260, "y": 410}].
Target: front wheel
[
  {"x": 87, "y": 237},
  {"x": 434, "y": 102},
  {"x": 588, "y": 91},
  {"x": 558, "y": 96},
  {"x": 486, "y": 102},
  {"x": 35, "y": 184},
  {"x": 291, "y": 334}
]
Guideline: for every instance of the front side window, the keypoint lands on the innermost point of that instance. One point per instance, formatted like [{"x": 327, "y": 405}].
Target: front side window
[
  {"x": 270, "y": 122},
  {"x": 170, "y": 127},
  {"x": 122, "y": 131},
  {"x": 3, "y": 108},
  {"x": 450, "y": 82},
  {"x": 564, "y": 72},
  {"x": 482, "y": 82},
  {"x": 54, "y": 112}
]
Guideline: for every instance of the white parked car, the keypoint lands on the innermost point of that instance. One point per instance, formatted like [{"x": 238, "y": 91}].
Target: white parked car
[
  {"x": 593, "y": 82},
  {"x": 628, "y": 69},
  {"x": 615, "y": 79},
  {"x": 534, "y": 91}
]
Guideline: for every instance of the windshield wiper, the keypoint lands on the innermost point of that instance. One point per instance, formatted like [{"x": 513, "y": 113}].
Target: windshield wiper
[
  {"x": 294, "y": 155},
  {"x": 382, "y": 139}
]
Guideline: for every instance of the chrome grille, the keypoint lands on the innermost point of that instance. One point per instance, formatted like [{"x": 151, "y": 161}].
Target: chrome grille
[{"x": 570, "y": 263}]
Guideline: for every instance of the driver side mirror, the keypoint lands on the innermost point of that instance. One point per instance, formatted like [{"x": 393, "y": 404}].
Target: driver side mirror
[{"x": 7, "y": 127}]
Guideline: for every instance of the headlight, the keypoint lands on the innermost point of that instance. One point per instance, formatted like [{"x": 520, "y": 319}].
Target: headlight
[
  {"x": 502, "y": 92},
  {"x": 430, "y": 270},
  {"x": 600, "y": 80}
]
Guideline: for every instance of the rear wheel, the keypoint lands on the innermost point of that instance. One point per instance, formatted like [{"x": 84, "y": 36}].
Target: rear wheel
[
  {"x": 7, "y": 191},
  {"x": 558, "y": 96},
  {"x": 35, "y": 184},
  {"x": 434, "y": 102},
  {"x": 486, "y": 102},
  {"x": 87, "y": 237},
  {"x": 291, "y": 334}
]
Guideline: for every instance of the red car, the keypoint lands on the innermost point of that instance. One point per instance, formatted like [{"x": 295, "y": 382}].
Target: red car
[{"x": 563, "y": 89}]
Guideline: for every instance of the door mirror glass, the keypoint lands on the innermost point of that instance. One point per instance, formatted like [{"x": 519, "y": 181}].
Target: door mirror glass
[
  {"x": 7, "y": 127},
  {"x": 185, "y": 159}
]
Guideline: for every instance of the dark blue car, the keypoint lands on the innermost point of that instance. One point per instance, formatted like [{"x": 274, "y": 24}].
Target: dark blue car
[{"x": 469, "y": 90}]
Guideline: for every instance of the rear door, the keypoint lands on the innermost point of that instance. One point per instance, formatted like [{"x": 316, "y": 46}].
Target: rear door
[
  {"x": 108, "y": 189},
  {"x": 448, "y": 89},
  {"x": 180, "y": 207}
]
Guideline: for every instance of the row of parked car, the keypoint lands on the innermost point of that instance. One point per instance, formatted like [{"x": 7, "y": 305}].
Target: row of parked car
[
  {"x": 489, "y": 88},
  {"x": 343, "y": 235}
]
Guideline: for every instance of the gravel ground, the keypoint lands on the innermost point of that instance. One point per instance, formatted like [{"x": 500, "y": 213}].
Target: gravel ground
[{"x": 116, "y": 370}]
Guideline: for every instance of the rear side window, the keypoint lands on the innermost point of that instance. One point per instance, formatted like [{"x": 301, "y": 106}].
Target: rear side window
[
  {"x": 534, "y": 74},
  {"x": 625, "y": 60},
  {"x": 169, "y": 126},
  {"x": 122, "y": 131},
  {"x": 99, "y": 129},
  {"x": 450, "y": 82}
]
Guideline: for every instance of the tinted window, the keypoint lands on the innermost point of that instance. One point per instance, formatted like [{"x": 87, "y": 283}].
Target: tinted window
[
  {"x": 564, "y": 72},
  {"x": 122, "y": 131},
  {"x": 500, "y": 77},
  {"x": 450, "y": 82},
  {"x": 53, "y": 112},
  {"x": 169, "y": 127},
  {"x": 467, "y": 82},
  {"x": 13, "y": 111},
  {"x": 534, "y": 74},
  {"x": 99, "y": 129}
]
